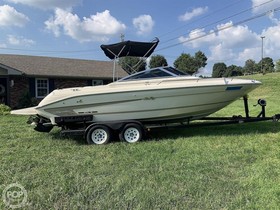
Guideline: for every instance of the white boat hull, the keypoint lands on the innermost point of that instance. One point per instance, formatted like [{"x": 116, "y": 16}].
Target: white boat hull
[{"x": 146, "y": 100}]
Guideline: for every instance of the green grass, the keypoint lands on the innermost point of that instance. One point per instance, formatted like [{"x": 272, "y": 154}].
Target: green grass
[{"x": 215, "y": 167}]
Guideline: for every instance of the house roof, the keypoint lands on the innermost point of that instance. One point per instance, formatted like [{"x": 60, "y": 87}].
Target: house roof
[{"x": 58, "y": 67}]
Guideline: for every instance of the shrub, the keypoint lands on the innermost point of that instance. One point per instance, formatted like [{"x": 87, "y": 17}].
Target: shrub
[
  {"x": 26, "y": 101},
  {"x": 4, "y": 110}
]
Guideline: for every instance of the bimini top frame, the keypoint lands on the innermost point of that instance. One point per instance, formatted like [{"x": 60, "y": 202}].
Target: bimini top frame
[{"x": 129, "y": 48}]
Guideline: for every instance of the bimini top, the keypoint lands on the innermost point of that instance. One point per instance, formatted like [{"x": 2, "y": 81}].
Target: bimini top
[
  {"x": 158, "y": 72},
  {"x": 130, "y": 48}
]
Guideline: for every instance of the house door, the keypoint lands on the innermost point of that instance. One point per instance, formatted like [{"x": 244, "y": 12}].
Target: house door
[{"x": 3, "y": 91}]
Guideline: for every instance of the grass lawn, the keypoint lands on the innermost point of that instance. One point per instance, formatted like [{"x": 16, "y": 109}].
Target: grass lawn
[{"x": 222, "y": 167}]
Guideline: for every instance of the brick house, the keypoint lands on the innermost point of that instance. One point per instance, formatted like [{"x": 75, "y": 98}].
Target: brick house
[{"x": 38, "y": 76}]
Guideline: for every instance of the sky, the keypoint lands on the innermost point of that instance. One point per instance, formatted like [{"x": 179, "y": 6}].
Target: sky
[{"x": 226, "y": 31}]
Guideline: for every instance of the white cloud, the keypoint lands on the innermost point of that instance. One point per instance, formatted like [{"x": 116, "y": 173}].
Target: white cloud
[
  {"x": 220, "y": 54},
  {"x": 194, "y": 13},
  {"x": 264, "y": 5},
  {"x": 271, "y": 41},
  {"x": 9, "y": 16},
  {"x": 198, "y": 38},
  {"x": 225, "y": 43},
  {"x": 19, "y": 41},
  {"x": 236, "y": 36},
  {"x": 271, "y": 45},
  {"x": 144, "y": 24},
  {"x": 97, "y": 27},
  {"x": 48, "y": 4},
  {"x": 2, "y": 45},
  {"x": 249, "y": 53},
  {"x": 261, "y": 6}
]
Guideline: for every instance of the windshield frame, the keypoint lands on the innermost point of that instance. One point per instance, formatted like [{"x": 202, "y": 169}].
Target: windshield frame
[{"x": 159, "y": 72}]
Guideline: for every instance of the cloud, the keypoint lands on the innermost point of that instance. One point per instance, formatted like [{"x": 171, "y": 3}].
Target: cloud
[
  {"x": 97, "y": 27},
  {"x": 198, "y": 38},
  {"x": 194, "y": 13},
  {"x": 2, "y": 45},
  {"x": 249, "y": 53},
  {"x": 19, "y": 41},
  {"x": 271, "y": 41},
  {"x": 236, "y": 36},
  {"x": 261, "y": 6},
  {"x": 264, "y": 5},
  {"x": 9, "y": 16},
  {"x": 226, "y": 42},
  {"x": 220, "y": 54},
  {"x": 48, "y": 4},
  {"x": 144, "y": 24}
]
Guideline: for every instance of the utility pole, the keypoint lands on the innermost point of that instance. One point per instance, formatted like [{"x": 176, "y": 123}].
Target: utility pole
[
  {"x": 262, "y": 37},
  {"x": 122, "y": 37}
]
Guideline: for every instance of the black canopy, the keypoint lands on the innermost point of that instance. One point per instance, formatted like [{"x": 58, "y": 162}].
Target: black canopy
[{"x": 130, "y": 48}]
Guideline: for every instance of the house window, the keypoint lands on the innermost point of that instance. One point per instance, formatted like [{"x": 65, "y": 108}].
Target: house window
[
  {"x": 42, "y": 88},
  {"x": 97, "y": 82}
]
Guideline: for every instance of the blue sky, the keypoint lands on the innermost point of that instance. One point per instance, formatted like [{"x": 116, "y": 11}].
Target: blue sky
[{"x": 226, "y": 30}]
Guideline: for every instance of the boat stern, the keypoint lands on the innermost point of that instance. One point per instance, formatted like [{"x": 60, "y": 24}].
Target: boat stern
[{"x": 41, "y": 124}]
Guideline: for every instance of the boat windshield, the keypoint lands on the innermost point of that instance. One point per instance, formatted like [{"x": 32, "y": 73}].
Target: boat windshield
[{"x": 155, "y": 73}]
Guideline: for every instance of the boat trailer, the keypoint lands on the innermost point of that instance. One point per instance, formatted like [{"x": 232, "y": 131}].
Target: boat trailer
[
  {"x": 133, "y": 131},
  {"x": 240, "y": 119}
]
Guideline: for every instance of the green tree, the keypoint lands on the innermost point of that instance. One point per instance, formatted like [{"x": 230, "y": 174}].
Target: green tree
[
  {"x": 250, "y": 67},
  {"x": 219, "y": 70},
  {"x": 183, "y": 63},
  {"x": 200, "y": 59},
  {"x": 190, "y": 64},
  {"x": 233, "y": 71},
  {"x": 157, "y": 60},
  {"x": 277, "y": 65},
  {"x": 132, "y": 64},
  {"x": 266, "y": 65}
]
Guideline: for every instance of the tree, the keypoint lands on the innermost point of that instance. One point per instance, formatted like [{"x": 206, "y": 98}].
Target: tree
[
  {"x": 266, "y": 65},
  {"x": 157, "y": 60},
  {"x": 250, "y": 67},
  {"x": 190, "y": 64},
  {"x": 233, "y": 71},
  {"x": 132, "y": 64},
  {"x": 183, "y": 63},
  {"x": 200, "y": 59},
  {"x": 277, "y": 65},
  {"x": 219, "y": 70}
]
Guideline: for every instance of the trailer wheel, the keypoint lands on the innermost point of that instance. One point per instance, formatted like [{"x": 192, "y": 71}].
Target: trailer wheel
[
  {"x": 131, "y": 133},
  {"x": 98, "y": 134}
]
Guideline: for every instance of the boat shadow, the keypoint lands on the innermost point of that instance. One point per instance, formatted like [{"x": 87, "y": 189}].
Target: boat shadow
[{"x": 213, "y": 130}]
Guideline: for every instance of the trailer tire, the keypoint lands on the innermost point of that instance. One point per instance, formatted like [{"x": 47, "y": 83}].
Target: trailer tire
[
  {"x": 98, "y": 134},
  {"x": 131, "y": 133}
]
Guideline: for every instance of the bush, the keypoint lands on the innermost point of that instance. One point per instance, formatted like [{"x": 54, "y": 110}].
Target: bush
[
  {"x": 4, "y": 110},
  {"x": 26, "y": 101}
]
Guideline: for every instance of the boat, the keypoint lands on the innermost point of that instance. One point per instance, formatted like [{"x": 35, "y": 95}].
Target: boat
[{"x": 152, "y": 96}]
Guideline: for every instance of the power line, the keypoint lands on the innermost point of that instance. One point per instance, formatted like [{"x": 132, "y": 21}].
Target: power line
[
  {"x": 223, "y": 28},
  {"x": 203, "y": 17},
  {"x": 189, "y": 40},
  {"x": 231, "y": 16}
]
